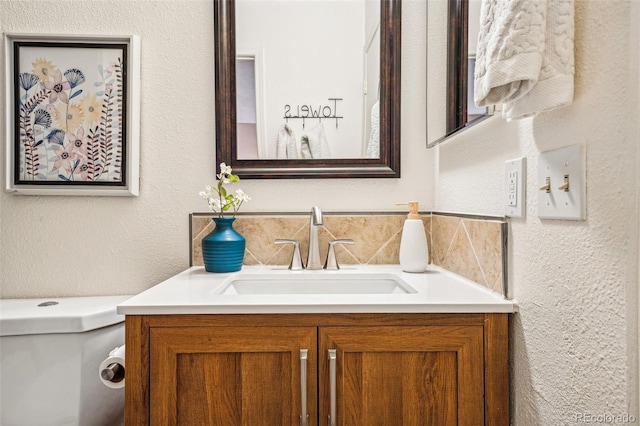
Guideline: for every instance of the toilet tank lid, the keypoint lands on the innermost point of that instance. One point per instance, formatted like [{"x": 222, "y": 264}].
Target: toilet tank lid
[{"x": 58, "y": 314}]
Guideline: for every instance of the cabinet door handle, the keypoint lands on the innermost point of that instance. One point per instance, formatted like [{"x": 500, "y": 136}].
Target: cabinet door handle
[
  {"x": 332, "y": 387},
  {"x": 304, "y": 417}
]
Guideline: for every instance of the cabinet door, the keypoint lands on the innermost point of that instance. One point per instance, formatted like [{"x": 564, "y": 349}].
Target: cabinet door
[
  {"x": 232, "y": 375},
  {"x": 398, "y": 375}
]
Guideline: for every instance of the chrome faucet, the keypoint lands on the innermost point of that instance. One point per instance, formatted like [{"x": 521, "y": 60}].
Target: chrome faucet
[{"x": 315, "y": 221}]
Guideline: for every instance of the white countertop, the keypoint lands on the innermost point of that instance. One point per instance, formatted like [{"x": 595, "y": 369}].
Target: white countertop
[{"x": 195, "y": 291}]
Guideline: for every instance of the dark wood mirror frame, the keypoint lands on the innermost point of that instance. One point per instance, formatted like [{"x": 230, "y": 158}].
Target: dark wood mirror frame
[
  {"x": 388, "y": 166},
  {"x": 457, "y": 65},
  {"x": 457, "y": 72}
]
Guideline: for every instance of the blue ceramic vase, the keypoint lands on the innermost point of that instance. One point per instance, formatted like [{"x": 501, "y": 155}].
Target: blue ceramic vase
[{"x": 223, "y": 248}]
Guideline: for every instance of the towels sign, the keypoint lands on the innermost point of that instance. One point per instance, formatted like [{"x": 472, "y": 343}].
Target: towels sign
[{"x": 319, "y": 112}]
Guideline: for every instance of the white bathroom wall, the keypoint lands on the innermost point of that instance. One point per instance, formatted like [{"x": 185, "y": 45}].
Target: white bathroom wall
[
  {"x": 64, "y": 246},
  {"x": 574, "y": 342}
]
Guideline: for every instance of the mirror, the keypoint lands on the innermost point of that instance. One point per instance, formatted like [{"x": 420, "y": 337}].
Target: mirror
[
  {"x": 296, "y": 98},
  {"x": 452, "y": 33}
]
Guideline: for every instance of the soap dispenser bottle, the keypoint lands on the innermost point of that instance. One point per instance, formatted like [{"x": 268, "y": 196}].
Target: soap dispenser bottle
[{"x": 414, "y": 253}]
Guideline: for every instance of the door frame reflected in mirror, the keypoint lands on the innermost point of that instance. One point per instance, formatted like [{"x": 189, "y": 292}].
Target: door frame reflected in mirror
[
  {"x": 387, "y": 166},
  {"x": 250, "y": 112}
]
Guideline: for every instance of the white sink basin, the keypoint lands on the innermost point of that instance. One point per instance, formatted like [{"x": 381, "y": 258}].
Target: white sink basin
[{"x": 314, "y": 283}]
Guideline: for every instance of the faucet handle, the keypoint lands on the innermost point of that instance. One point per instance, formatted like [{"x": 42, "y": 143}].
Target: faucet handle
[
  {"x": 332, "y": 262},
  {"x": 296, "y": 259}
]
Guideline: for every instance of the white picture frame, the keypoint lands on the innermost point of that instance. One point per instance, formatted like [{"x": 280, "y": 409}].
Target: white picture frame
[{"x": 72, "y": 114}]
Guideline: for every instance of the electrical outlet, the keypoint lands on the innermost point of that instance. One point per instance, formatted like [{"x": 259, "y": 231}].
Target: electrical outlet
[
  {"x": 512, "y": 191},
  {"x": 515, "y": 183}
]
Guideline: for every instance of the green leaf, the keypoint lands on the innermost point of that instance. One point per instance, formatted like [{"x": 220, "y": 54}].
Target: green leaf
[
  {"x": 223, "y": 192},
  {"x": 234, "y": 178}
]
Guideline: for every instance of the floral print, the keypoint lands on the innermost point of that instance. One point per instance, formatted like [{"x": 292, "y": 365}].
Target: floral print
[
  {"x": 74, "y": 76},
  {"x": 67, "y": 117},
  {"x": 43, "y": 69},
  {"x": 56, "y": 137},
  {"x": 28, "y": 80},
  {"x": 66, "y": 157},
  {"x": 90, "y": 106},
  {"x": 57, "y": 88},
  {"x": 70, "y": 127},
  {"x": 41, "y": 118},
  {"x": 82, "y": 169},
  {"x": 80, "y": 142}
]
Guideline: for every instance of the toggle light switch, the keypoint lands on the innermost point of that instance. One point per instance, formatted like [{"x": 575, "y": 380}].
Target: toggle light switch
[
  {"x": 565, "y": 186},
  {"x": 562, "y": 183},
  {"x": 547, "y": 185}
]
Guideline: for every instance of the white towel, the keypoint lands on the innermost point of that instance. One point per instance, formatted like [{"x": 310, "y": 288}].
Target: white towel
[
  {"x": 373, "y": 147},
  {"x": 287, "y": 147},
  {"x": 313, "y": 144},
  {"x": 525, "y": 56}
]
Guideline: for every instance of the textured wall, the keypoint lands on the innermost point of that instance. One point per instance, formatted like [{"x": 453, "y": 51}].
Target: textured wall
[
  {"x": 574, "y": 342},
  {"x": 61, "y": 246}
]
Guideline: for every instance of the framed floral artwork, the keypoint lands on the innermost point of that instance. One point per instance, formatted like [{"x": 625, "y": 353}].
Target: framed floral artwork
[{"x": 73, "y": 111}]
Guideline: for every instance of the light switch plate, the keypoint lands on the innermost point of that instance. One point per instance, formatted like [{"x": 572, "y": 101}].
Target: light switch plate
[
  {"x": 515, "y": 174},
  {"x": 560, "y": 165}
]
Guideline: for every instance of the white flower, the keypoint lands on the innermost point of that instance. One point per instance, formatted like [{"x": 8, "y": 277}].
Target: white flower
[
  {"x": 217, "y": 196},
  {"x": 241, "y": 195},
  {"x": 214, "y": 204},
  {"x": 224, "y": 169},
  {"x": 208, "y": 191},
  {"x": 223, "y": 177}
]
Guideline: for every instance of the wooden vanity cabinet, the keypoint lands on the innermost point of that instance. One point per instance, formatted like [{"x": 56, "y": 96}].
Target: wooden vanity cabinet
[
  {"x": 387, "y": 369},
  {"x": 229, "y": 375}
]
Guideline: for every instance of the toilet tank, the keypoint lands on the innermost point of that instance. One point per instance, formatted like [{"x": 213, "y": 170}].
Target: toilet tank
[{"x": 50, "y": 352}]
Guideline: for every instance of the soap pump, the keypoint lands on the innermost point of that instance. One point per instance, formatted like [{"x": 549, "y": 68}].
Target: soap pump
[{"x": 414, "y": 253}]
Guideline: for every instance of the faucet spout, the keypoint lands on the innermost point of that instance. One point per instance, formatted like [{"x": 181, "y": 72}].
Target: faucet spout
[{"x": 315, "y": 221}]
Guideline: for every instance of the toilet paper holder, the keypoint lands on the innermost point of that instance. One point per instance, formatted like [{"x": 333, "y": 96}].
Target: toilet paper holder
[
  {"x": 113, "y": 373},
  {"x": 112, "y": 369}
]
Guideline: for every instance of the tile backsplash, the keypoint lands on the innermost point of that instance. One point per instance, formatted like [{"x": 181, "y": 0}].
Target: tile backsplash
[{"x": 471, "y": 246}]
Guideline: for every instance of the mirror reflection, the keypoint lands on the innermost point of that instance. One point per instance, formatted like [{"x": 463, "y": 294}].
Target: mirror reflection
[
  {"x": 473, "y": 111},
  {"x": 453, "y": 27},
  {"x": 307, "y": 89}
]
